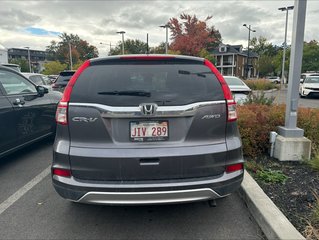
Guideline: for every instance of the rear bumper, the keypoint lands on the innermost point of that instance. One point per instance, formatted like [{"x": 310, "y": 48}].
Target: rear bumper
[{"x": 147, "y": 192}]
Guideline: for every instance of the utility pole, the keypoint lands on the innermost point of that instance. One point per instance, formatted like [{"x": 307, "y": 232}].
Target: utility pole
[
  {"x": 29, "y": 58},
  {"x": 122, "y": 32},
  {"x": 70, "y": 54},
  {"x": 249, "y": 30},
  {"x": 285, "y": 44}
]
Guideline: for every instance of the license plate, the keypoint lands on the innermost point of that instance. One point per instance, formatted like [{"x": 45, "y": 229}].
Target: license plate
[{"x": 149, "y": 131}]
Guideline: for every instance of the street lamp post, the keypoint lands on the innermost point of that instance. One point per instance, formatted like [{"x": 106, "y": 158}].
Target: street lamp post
[
  {"x": 249, "y": 30},
  {"x": 166, "y": 44},
  {"x": 29, "y": 58},
  {"x": 70, "y": 54},
  {"x": 285, "y": 43},
  {"x": 122, "y": 32}
]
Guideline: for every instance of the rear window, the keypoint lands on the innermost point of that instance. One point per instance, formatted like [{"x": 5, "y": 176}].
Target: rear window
[
  {"x": 132, "y": 84},
  {"x": 64, "y": 78}
]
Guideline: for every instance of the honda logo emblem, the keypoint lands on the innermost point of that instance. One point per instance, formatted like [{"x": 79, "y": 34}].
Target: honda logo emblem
[{"x": 148, "y": 108}]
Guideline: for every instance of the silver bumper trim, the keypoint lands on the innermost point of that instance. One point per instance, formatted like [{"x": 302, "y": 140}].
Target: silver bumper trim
[{"x": 158, "y": 197}]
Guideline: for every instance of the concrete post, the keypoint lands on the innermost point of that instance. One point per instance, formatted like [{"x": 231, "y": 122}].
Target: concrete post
[{"x": 291, "y": 145}]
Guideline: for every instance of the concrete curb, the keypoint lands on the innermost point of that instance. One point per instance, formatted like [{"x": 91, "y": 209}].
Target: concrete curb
[{"x": 271, "y": 220}]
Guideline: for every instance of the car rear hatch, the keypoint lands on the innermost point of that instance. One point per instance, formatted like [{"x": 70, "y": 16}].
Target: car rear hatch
[{"x": 147, "y": 119}]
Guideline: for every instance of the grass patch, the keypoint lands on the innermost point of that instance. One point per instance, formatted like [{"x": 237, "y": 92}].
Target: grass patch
[
  {"x": 314, "y": 163},
  {"x": 272, "y": 176}
]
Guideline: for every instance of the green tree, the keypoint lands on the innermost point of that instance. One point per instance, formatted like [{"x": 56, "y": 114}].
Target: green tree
[
  {"x": 23, "y": 63},
  {"x": 160, "y": 49},
  {"x": 190, "y": 35},
  {"x": 54, "y": 67},
  {"x": 81, "y": 50},
  {"x": 130, "y": 47},
  {"x": 310, "y": 60}
]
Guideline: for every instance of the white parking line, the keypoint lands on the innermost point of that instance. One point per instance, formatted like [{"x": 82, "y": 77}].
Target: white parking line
[{"x": 23, "y": 190}]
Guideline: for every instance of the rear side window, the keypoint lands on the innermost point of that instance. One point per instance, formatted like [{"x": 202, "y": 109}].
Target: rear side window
[
  {"x": 64, "y": 79},
  {"x": 132, "y": 84}
]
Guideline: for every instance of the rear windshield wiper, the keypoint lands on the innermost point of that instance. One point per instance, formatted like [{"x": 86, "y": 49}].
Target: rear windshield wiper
[{"x": 127, "y": 93}]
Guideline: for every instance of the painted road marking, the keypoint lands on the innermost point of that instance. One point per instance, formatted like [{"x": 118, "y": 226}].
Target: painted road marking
[{"x": 23, "y": 190}]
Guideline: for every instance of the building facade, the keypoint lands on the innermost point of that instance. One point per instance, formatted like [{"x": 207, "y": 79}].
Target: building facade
[
  {"x": 37, "y": 57},
  {"x": 232, "y": 61}
]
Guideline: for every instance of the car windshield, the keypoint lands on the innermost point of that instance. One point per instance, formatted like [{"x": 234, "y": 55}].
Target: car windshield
[
  {"x": 234, "y": 81},
  {"x": 312, "y": 80}
]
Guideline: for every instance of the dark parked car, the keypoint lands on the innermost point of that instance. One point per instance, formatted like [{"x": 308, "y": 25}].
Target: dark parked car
[
  {"x": 62, "y": 80},
  {"x": 146, "y": 129},
  {"x": 15, "y": 67},
  {"x": 26, "y": 111}
]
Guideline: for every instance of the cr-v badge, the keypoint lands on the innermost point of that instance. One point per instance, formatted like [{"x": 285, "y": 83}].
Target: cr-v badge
[{"x": 84, "y": 119}]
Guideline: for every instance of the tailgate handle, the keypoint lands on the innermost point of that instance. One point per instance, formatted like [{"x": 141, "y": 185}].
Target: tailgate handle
[{"x": 149, "y": 161}]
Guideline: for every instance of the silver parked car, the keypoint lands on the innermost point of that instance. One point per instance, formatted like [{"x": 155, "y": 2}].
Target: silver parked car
[
  {"x": 238, "y": 88},
  {"x": 146, "y": 129},
  {"x": 39, "y": 79}
]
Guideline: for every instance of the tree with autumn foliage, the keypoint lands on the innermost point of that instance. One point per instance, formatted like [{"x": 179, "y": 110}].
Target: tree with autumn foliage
[
  {"x": 191, "y": 35},
  {"x": 81, "y": 50}
]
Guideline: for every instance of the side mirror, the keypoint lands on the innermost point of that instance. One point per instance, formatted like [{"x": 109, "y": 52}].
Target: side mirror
[
  {"x": 302, "y": 80},
  {"x": 42, "y": 90}
]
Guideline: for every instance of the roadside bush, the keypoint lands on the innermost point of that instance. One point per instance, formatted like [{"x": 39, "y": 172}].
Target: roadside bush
[
  {"x": 255, "y": 121},
  {"x": 260, "y": 84},
  {"x": 259, "y": 98}
]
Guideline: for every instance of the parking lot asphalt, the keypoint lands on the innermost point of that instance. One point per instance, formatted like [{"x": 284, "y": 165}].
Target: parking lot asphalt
[
  {"x": 281, "y": 97},
  {"x": 31, "y": 209}
]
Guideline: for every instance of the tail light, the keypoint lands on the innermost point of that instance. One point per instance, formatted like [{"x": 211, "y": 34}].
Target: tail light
[
  {"x": 231, "y": 111},
  {"x": 231, "y": 104},
  {"x": 61, "y": 172},
  {"x": 234, "y": 167},
  {"x": 61, "y": 115}
]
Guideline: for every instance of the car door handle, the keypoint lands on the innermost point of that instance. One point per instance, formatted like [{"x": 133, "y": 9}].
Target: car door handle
[{"x": 19, "y": 102}]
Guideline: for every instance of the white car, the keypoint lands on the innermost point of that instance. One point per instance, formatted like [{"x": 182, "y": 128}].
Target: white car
[
  {"x": 309, "y": 87},
  {"x": 39, "y": 79},
  {"x": 273, "y": 79},
  {"x": 238, "y": 88}
]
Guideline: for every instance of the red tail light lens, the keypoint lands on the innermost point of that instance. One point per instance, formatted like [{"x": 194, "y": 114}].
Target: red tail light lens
[
  {"x": 61, "y": 115},
  {"x": 234, "y": 167},
  {"x": 231, "y": 111},
  {"x": 61, "y": 172},
  {"x": 231, "y": 104}
]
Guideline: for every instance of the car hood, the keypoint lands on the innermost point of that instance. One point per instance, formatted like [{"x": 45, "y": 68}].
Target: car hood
[
  {"x": 311, "y": 85},
  {"x": 236, "y": 88}
]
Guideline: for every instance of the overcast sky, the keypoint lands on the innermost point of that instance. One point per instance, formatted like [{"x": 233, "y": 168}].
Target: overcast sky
[{"x": 36, "y": 23}]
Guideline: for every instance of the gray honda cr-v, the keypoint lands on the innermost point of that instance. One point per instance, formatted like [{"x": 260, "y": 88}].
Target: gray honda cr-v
[{"x": 146, "y": 129}]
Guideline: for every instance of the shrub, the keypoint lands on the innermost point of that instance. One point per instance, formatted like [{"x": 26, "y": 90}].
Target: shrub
[
  {"x": 259, "y": 98},
  {"x": 256, "y": 121},
  {"x": 260, "y": 84}
]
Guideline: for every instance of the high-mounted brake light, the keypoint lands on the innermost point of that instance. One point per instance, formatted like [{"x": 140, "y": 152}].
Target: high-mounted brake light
[
  {"x": 147, "y": 57},
  {"x": 62, "y": 109},
  {"x": 234, "y": 167},
  {"x": 231, "y": 104},
  {"x": 61, "y": 172}
]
